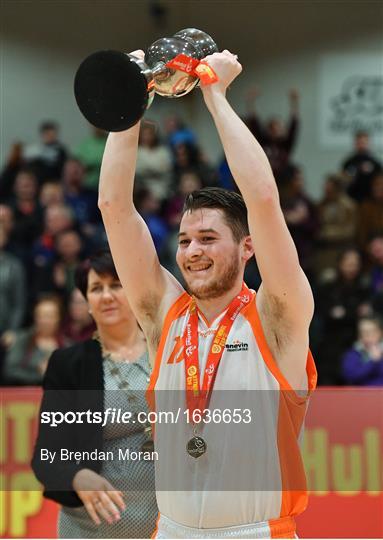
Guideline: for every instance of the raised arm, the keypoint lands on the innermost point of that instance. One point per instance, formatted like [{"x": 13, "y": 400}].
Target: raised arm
[
  {"x": 284, "y": 300},
  {"x": 149, "y": 287},
  {"x": 252, "y": 119},
  {"x": 293, "y": 125}
]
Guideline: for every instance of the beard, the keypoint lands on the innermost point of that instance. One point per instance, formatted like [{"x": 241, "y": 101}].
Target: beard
[{"x": 218, "y": 286}]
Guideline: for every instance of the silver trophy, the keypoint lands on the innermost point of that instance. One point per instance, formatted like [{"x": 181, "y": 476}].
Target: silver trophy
[{"x": 113, "y": 89}]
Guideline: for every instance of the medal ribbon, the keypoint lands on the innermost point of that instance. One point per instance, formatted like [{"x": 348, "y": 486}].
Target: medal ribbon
[
  {"x": 193, "y": 67},
  {"x": 196, "y": 397}
]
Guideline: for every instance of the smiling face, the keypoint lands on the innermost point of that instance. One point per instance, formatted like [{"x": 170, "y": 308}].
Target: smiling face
[
  {"x": 107, "y": 301},
  {"x": 210, "y": 260}
]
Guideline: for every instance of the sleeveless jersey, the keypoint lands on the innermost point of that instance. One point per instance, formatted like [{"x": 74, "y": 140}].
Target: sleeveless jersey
[{"x": 251, "y": 472}]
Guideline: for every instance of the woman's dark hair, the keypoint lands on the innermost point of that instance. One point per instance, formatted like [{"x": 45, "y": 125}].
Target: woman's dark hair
[
  {"x": 101, "y": 262},
  {"x": 231, "y": 203}
]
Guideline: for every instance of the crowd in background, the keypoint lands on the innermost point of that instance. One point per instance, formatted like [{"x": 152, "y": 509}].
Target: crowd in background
[{"x": 49, "y": 222}]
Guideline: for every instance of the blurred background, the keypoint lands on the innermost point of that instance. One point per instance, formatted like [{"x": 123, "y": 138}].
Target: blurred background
[
  {"x": 311, "y": 91},
  {"x": 312, "y": 46}
]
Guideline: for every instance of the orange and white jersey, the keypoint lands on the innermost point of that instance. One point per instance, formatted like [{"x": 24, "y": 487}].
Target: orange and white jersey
[{"x": 251, "y": 472}]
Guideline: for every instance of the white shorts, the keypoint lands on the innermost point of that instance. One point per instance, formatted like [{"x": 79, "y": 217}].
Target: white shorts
[{"x": 166, "y": 528}]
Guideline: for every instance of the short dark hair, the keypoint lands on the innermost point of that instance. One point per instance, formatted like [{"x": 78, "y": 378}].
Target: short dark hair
[
  {"x": 231, "y": 203},
  {"x": 375, "y": 235},
  {"x": 48, "y": 125},
  {"x": 361, "y": 133},
  {"x": 101, "y": 262},
  {"x": 52, "y": 298},
  {"x": 28, "y": 170}
]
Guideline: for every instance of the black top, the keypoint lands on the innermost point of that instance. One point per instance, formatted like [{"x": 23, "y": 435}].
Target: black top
[
  {"x": 362, "y": 168},
  {"x": 74, "y": 381}
]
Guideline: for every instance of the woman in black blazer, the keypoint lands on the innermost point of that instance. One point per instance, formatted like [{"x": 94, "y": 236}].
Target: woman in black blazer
[{"x": 79, "y": 463}]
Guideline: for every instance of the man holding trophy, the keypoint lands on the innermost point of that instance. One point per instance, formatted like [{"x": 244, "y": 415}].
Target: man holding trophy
[{"x": 219, "y": 336}]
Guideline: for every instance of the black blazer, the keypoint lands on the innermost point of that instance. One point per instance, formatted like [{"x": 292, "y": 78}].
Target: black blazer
[{"x": 73, "y": 381}]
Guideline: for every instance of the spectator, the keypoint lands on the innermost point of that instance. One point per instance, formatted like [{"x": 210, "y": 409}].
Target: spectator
[
  {"x": 154, "y": 162},
  {"x": 189, "y": 182},
  {"x": 57, "y": 218},
  {"x": 68, "y": 246},
  {"x": 26, "y": 211},
  {"x": 109, "y": 371},
  {"x": 337, "y": 220},
  {"x": 12, "y": 288},
  {"x": 51, "y": 193},
  {"x": 12, "y": 293},
  {"x": 148, "y": 206},
  {"x": 8, "y": 223},
  {"x": 225, "y": 178},
  {"x": 27, "y": 357},
  {"x": 276, "y": 139},
  {"x": 90, "y": 152},
  {"x": 78, "y": 325},
  {"x": 57, "y": 274},
  {"x": 361, "y": 166},
  {"x": 370, "y": 218},
  {"x": 6, "y": 218},
  {"x": 363, "y": 364},
  {"x": 178, "y": 133},
  {"x": 301, "y": 218},
  {"x": 188, "y": 158},
  {"x": 47, "y": 158},
  {"x": 14, "y": 162},
  {"x": 375, "y": 250},
  {"x": 339, "y": 303},
  {"x": 82, "y": 200}
]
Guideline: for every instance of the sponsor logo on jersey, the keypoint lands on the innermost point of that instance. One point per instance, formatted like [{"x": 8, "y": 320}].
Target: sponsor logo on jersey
[{"x": 237, "y": 346}]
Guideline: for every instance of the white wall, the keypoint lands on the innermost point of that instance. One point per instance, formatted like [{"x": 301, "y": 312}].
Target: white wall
[{"x": 280, "y": 44}]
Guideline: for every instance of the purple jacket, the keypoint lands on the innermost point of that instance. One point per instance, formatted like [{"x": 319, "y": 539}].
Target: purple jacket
[{"x": 360, "y": 370}]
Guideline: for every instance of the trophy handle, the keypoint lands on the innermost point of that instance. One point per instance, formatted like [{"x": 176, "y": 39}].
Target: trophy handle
[{"x": 204, "y": 43}]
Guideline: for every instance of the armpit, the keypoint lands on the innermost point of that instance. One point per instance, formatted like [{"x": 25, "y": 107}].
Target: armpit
[
  {"x": 149, "y": 308},
  {"x": 153, "y": 335},
  {"x": 275, "y": 323},
  {"x": 273, "y": 307}
]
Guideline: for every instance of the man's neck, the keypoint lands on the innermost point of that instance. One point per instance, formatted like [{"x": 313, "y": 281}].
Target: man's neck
[{"x": 213, "y": 307}]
